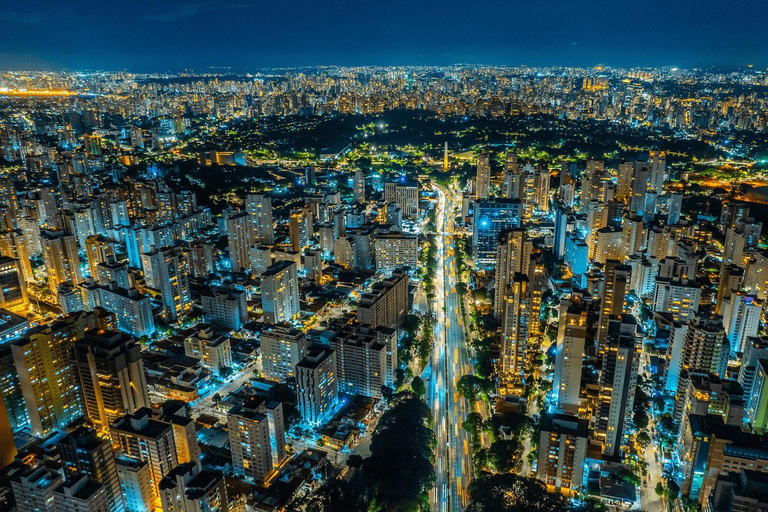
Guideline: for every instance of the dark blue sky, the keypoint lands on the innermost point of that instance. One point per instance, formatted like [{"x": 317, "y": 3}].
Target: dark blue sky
[{"x": 171, "y": 35}]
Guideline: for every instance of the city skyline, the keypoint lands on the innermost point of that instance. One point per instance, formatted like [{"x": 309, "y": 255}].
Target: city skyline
[{"x": 243, "y": 35}]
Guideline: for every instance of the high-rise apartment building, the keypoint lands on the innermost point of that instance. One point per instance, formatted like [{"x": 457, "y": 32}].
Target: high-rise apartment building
[
  {"x": 483, "y": 180},
  {"x": 282, "y": 348},
  {"x": 140, "y": 437},
  {"x": 239, "y": 240},
  {"x": 48, "y": 374},
  {"x": 83, "y": 452},
  {"x": 317, "y": 385},
  {"x": 167, "y": 270},
  {"x": 513, "y": 255},
  {"x": 62, "y": 261},
  {"x": 563, "y": 445},
  {"x": 618, "y": 378},
  {"x": 280, "y": 299},
  {"x": 387, "y": 304},
  {"x": 112, "y": 374},
  {"x": 259, "y": 207}
]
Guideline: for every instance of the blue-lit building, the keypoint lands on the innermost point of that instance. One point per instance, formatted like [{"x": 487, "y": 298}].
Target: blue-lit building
[
  {"x": 490, "y": 218},
  {"x": 576, "y": 254}
]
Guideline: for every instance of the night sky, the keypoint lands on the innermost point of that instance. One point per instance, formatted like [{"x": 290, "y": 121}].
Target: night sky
[{"x": 171, "y": 35}]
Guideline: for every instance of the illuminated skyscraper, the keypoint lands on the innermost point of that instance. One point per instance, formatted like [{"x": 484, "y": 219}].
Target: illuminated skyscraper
[
  {"x": 483, "y": 181},
  {"x": 239, "y": 236},
  {"x": 112, "y": 375},
  {"x": 84, "y": 453},
  {"x": 62, "y": 261},
  {"x": 48, "y": 374},
  {"x": 167, "y": 271},
  {"x": 259, "y": 207},
  {"x": 280, "y": 292},
  {"x": 358, "y": 187}
]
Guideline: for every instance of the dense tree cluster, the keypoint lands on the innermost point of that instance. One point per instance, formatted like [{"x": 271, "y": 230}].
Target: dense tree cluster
[{"x": 399, "y": 473}]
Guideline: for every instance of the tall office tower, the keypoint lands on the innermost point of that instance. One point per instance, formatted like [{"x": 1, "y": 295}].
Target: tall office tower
[
  {"x": 657, "y": 166},
  {"x": 226, "y": 307},
  {"x": 167, "y": 270},
  {"x": 239, "y": 240},
  {"x": 188, "y": 488},
  {"x": 300, "y": 229},
  {"x": 12, "y": 397},
  {"x": 615, "y": 285},
  {"x": 756, "y": 413},
  {"x": 731, "y": 277},
  {"x": 280, "y": 299},
  {"x": 513, "y": 255},
  {"x": 680, "y": 298},
  {"x": 99, "y": 250},
  {"x": 618, "y": 378},
  {"x": 34, "y": 489},
  {"x": 282, "y": 348},
  {"x": 563, "y": 445},
  {"x": 13, "y": 288},
  {"x": 83, "y": 452},
  {"x": 541, "y": 189},
  {"x": 489, "y": 219},
  {"x": 363, "y": 358},
  {"x": 405, "y": 195},
  {"x": 317, "y": 385},
  {"x": 562, "y": 217},
  {"x": 62, "y": 262},
  {"x": 483, "y": 181},
  {"x": 446, "y": 165},
  {"x": 754, "y": 349},
  {"x": 249, "y": 438},
  {"x": 358, "y": 187},
  {"x": 310, "y": 176},
  {"x": 571, "y": 338},
  {"x": 112, "y": 375},
  {"x": 513, "y": 171},
  {"x": 639, "y": 190},
  {"x": 741, "y": 318},
  {"x": 259, "y": 207},
  {"x": 48, "y": 374},
  {"x": 395, "y": 251},
  {"x": 140, "y": 437},
  {"x": 387, "y": 304},
  {"x": 135, "y": 483}
]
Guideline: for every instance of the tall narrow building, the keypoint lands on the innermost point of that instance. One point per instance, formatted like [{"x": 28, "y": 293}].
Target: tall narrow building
[
  {"x": 112, "y": 375},
  {"x": 239, "y": 240},
  {"x": 513, "y": 254},
  {"x": 259, "y": 207},
  {"x": 483, "y": 181},
  {"x": 618, "y": 378},
  {"x": 280, "y": 292},
  {"x": 62, "y": 261},
  {"x": 167, "y": 270},
  {"x": 83, "y": 452},
  {"x": 616, "y": 281}
]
